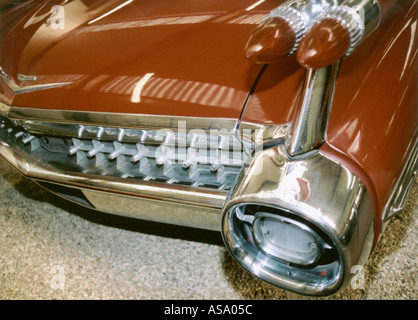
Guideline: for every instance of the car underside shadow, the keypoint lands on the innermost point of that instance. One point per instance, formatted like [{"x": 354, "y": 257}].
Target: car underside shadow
[{"x": 31, "y": 190}]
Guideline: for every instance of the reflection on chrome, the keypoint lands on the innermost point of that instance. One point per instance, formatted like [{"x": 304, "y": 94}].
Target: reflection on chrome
[
  {"x": 59, "y": 78},
  {"x": 301, "y": 192},
  {"x": 293, "y": 188}
]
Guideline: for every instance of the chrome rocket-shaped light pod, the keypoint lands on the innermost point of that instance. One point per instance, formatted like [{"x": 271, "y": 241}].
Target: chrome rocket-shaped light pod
[
  {"x": 321, "y": 32},
  {"x": 336, "y": 32},
  {"x": 278, "y": 35}
]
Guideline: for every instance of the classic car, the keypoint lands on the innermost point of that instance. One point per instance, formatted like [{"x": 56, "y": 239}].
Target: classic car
[{"x": 288, "y": 126}]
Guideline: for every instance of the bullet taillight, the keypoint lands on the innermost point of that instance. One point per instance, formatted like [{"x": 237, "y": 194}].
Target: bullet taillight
[
  {"x": 272, "y": 39},
  {"x": 277, "y": 36},
  {"x": 322, "y": 34},
  {"x": 325, "y": 43}
]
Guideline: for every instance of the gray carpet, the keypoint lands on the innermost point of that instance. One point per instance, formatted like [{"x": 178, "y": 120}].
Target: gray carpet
[{"x": 52, "y": 249}]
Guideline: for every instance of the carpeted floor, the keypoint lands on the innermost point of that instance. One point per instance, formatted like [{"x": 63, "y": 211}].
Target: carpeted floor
[{"x": 52, "y": 249}]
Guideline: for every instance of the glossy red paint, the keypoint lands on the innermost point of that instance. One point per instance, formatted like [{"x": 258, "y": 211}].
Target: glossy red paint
[
  {"x": 191, "y": 53},
  {"x": 374, "y": 116},
  {"x": 266, "y": 105}
]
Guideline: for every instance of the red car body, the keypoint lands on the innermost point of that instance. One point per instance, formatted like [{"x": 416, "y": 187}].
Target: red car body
[{"x": 126, "y": 65}]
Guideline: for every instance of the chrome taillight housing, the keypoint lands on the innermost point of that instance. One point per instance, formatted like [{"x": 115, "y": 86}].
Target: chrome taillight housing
[
  {"x": 321, "y": 32},
  {"x": 300, "y": 223},
  {"x": 283, "y": 249}
]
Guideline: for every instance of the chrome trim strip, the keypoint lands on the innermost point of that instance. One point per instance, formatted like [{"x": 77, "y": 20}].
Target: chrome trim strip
[
  {"x": 167, "y": 136},
  {"x": 315, "y": 189},
  {"x": 26, "y": 78},
  {"x": 308, "y": 130},
  {"x": 4, "y": 109},
  {"x": 257, "y": 136},
  {"x": 403, "y": 187},
  {"x": 8, "y": 81},
  {"x": 33, "y": 119},
  {"x": 35, "y": 169},
  {"x": 126, "y": 120}
]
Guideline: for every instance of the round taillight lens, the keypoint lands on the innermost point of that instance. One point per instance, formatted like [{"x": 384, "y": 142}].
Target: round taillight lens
[{"x": 285, "y": 239}]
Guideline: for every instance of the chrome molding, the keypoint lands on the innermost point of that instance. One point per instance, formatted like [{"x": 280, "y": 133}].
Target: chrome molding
[
  {"x": 259, "y": 135},
  {"x": 81, "y": 124},
  {"x": 403, "y": 187},
  {"x": 125, "y": 120},
  {"x": 189, "y": 158},
  {"x": 308, "y": 129},
  {"x": 26, "y": 78},
  {"x": 17, "y": 89},
  {"x": 315, "y": 190}
]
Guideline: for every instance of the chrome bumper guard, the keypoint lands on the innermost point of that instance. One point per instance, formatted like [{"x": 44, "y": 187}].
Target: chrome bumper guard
[{"x": 320, "y": 199}]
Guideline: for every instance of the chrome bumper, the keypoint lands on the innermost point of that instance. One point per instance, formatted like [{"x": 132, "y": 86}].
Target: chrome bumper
[
  {"x": 148, "y": 200},
  {"x": 163, "y": 169},
  {"x": 132, "y": 165}
]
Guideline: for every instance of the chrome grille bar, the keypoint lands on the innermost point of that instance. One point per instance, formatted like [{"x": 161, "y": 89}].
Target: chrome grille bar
[
  {"x": 190, "y": 158},
  {"x": 174, "y": 170}
]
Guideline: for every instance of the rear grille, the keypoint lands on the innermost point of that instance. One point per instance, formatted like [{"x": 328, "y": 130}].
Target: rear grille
[{"x": 191, "y": 158}]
